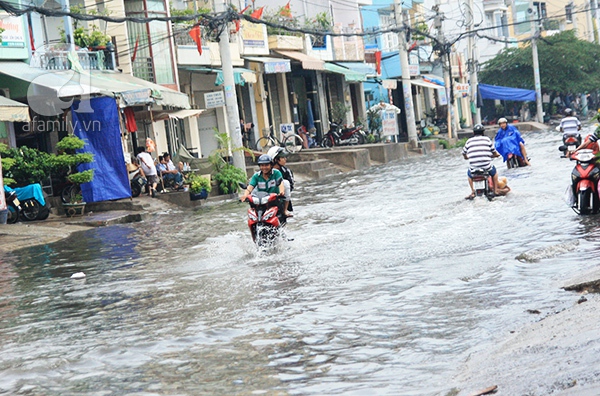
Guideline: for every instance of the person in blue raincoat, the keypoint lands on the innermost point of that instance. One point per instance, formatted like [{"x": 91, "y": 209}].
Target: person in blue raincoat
[{"x": 508, "y": 140}]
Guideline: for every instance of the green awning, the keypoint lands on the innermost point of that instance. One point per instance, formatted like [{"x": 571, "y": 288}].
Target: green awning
[
  {"x": 349, "y": 75},
  {"x": 241, "y": 75}
]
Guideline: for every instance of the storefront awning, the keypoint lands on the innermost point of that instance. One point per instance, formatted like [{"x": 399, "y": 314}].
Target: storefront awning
[
  {"x": 241, "y": 75},
  {"x": 308, "y": 62},
  {"x": 422, "y": 83},
  {"x": 12, "y": 111},
  {"x": 162, "y": 115},
  {"x": 49, "y": 85},
  {"x": 349, "y": 75},
  {"x": 272, "y": 65},
  {"x": 359, "y": 67}
]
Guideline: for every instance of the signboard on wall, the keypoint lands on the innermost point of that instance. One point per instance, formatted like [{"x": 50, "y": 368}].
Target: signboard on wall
[
  {"x": 462, "y": 89},
  {"x": 13, "y": 35},
  {"x": 272, "y": 67},
  {"x": 413, "y": 65},
  {"x": 214, "y": 99},
  {"x": 253, "y": 34}
]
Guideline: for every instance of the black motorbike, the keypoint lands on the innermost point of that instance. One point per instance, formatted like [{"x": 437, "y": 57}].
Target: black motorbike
[{"x": 338, "y": 136}]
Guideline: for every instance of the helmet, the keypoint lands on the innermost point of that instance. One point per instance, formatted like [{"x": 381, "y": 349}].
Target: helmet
[
  {"x": 568, "y": 112},
  {"x": 277, "y": 152},
  {"x": 264, "y": 159},
  {"x": 501, "y": 120},
  {"x": 478, "y": 128}
]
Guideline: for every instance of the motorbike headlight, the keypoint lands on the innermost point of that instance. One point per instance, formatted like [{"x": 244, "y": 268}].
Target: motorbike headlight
[
  {"x": 268, "y": 215},
  {"x": 252, "y": 216}
]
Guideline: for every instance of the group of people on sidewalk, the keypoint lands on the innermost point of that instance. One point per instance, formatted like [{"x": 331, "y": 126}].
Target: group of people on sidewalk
[{"x": 162, "y": 171}]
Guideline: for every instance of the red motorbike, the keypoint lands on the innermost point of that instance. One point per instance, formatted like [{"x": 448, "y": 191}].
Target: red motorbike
[
  {"x": 584, "y": 179},
  {"x": 338, "y": 136},
  {"x": 483, "y": 183},
  {"x": 265, "y": 220}
]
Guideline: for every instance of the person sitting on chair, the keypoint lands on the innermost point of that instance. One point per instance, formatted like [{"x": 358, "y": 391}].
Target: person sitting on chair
[{"x": 172, "y": 173}]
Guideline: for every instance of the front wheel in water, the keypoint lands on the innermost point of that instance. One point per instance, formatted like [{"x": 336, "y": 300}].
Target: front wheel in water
[
  {"x": 293, "y": 143},
  {"x": 584, "y": 201}
]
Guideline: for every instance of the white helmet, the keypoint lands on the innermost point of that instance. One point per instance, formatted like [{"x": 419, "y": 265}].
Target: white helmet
[
  {"x": 273, "y": 151},
  {"x": 501, "y": 120}
]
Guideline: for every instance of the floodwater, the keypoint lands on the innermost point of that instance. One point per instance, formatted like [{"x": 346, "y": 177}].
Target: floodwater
[{"x": 391, "y": 281}]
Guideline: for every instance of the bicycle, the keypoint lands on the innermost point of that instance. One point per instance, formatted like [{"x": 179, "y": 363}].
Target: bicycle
[
  {"x": 71, "y": 193},
  {"x": 292, "y": 142}
]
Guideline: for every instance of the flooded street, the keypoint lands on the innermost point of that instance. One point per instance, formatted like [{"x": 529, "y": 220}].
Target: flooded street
[{"x": 392, "y": 280}]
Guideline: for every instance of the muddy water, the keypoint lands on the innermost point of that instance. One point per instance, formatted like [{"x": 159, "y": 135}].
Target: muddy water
[{"x": 391, "y": 281}]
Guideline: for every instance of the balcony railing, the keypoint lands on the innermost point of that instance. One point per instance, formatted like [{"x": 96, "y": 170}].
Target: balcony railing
[{"x": 59, "y": 60}]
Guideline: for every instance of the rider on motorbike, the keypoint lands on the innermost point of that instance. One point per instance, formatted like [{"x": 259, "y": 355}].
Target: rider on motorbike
[
  {"x": 279, "y": 156},
  {"x": 570, "y": 124},
  {"x": 591, "y": 142},
  {"x": 479, "y": 150},
  {"x": 267, "y": 180},
  {"x": 508, "y": 140}
]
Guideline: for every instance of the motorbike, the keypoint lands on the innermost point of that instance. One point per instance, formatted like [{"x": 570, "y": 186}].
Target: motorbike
[
  {"x": 32, "y": 204},
  {"x": 570, "y": 140},
  {"x": 514, "y": 161},
  {"x": 338, "y": 136},
  {"x": 14, "y": 207},
  {"x": 265, "y": 220},
  {"x": 483, "y": 184},
  {"x": 584, "y": 179},
  {"x": 136, "y": 181}
]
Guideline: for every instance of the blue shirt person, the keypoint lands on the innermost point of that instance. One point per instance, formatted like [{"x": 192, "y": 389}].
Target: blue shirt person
[{"x": 508, "y": 140}]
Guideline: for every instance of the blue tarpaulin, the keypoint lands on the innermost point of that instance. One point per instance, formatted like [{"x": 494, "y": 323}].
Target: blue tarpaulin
[
  {"x": 506, "y": 93},
  {"x": 97, "y": 123}
]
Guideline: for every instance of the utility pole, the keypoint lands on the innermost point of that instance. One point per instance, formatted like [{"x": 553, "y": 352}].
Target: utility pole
[
  {"x": 473, "y": 63},
  {"x": 231, "y": 109},
  {"x": 68, "y": 27},
  {"x": 409, "y": 111},
  {"x": 536, "y": 65},
  {"x": 444, "y": 52}
]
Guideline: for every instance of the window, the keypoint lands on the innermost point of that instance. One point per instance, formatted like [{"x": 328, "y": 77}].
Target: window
[
  {"x": 540, "y": 8},
  {"x": 497, "y": 20},
  {"x": 569, "y": 13}
]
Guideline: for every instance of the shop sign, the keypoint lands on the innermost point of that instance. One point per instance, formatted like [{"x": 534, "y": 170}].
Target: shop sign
[
  {"x": 278, "y": 67},
  {"x": 389, "y": 125},
  {"x": 12, "y": 36},
  {"x": 253, "y": 35},
  {"x": 214, "y": 99}
]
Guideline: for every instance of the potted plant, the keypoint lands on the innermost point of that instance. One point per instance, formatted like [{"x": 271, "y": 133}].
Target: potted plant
[
  {"x": 227, "y": 176},
  {"x": 199, "y": 186},
  {"x": 68, "y": 159}
]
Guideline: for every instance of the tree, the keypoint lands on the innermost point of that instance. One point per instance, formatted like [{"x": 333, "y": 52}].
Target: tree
[{"x": 567, "y": 64}]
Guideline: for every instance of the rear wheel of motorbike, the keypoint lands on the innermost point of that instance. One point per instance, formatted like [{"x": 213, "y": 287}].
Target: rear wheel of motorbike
[
  {"x": 13, "y": 214},
  {"x": 584, "y": 202},
  {"x": 360, "y": 139},
  {"x": 30, "y": 208},
  {"x": 136, "y": 189}
]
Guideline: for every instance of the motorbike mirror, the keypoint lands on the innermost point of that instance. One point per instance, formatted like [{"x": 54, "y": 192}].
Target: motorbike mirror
[
  {"x": 243, "y": 186},
  {"x": 557, "y": 128},
  {"x": 562, "y": 148}
]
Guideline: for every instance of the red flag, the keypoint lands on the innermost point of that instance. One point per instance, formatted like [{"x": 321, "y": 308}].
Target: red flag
[
  {"x": 196, "y": 35},
  {"x": 135, "y": 48},
  {"x": 257, "y": 14},
  {"x": 286, "y": 11},
  {"x": 378, "y": 61}
]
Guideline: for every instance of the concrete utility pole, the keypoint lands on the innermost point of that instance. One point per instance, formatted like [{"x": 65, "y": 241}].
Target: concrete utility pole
[
  {"x": 473, "y": 62},
  {"x": 439, "y": 18},
  {"x": 536, "y": 65},
  {"x": 68, "y": 27},
  {"x": 409, "y": 111},
  {"x": 232, "y": 113}
]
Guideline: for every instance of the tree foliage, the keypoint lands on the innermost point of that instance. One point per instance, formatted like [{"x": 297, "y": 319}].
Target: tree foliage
[{"x": 567, "y": 64}]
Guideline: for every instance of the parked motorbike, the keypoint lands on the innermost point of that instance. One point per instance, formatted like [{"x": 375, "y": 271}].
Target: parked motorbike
[
  {"x": 33, "y": 205},
  {"x": 584, "y": 185},
  {"x": 265, "y": 220},
  {"x": 14, "y": 206},
  {"x": 483, "y": 184},
  {"x": 136, "y": 181},
  {"x": 338, "y": 136}
]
